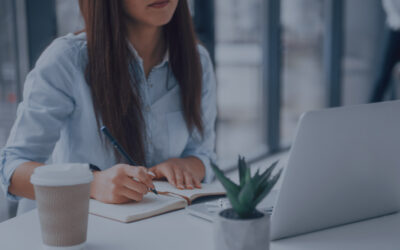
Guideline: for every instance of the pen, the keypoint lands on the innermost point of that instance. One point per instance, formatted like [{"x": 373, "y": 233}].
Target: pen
[{"x": 120, "y": 149}]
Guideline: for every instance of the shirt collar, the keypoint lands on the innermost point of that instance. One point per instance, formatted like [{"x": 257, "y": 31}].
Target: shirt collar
[{"x": 140, "y": 60}]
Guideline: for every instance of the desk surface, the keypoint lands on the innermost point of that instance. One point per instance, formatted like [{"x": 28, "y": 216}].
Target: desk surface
[{"x": 178, "y": 230}]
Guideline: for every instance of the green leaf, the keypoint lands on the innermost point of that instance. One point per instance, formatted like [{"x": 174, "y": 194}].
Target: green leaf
[
  {"x": 230, "y": 186},
  {"x": 239, "y": 208},
  {"x": 266, "y": 174},
  {"x": 267, "y": 188},
  {"x": 242, "y": 170},
  {"x": 257, "y": 174},
  {"x": 263, "y": 184},
  {"x": 256, "y": 179},
  {"x": 269, "y": 170},
  {"x": 232, "y": 191},
  {"x": 247, "y": 177},
  {"x": 246, "y": 196}
]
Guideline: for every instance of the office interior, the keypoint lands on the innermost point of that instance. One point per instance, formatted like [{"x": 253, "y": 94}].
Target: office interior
[{"x": 274, "y": 60}]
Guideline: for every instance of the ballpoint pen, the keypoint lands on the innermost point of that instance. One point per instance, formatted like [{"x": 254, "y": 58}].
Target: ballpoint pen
[{"x": 117, "y": 146}]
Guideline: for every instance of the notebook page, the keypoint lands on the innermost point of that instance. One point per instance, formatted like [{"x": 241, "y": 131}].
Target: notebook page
[
  {"x": 151, "y": 205},
  {"x": 206, "y": 189}
]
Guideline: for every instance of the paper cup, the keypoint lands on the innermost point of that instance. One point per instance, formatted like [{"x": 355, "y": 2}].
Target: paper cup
[{"x": 62, "y": 193}]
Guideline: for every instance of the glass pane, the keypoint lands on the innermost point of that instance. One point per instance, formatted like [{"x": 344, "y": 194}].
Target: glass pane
[
  {"x": 302, "y": 82},
  {"x": 364, "y": 23},
  {"x": 241, "y": 127},
  {"x": 68, "y": 10},
  {"x": 8, "y": 69}
]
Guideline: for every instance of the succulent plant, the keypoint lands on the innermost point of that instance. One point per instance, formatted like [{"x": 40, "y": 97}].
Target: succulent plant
[{"x": 245, "y": 196}]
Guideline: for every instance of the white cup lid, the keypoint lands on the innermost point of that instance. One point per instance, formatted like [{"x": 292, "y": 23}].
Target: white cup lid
[{"x": 67, "y": 174}]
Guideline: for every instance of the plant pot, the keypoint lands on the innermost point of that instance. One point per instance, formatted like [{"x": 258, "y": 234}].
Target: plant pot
[{"x": 241, "y": 234}]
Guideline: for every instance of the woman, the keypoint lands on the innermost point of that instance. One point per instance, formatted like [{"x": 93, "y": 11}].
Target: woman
[{"x": 136, "y": 69}]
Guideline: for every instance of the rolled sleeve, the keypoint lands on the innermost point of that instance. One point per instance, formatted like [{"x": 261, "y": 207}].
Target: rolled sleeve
[
  {"x": 7, "y": 170},
  {"x": 47, "y": 103},
  {"x": 203, "y": 146}
]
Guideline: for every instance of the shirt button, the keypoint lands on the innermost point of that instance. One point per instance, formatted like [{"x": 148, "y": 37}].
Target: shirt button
[
  {"x": 151, "y": 85},
  {"x": 147, "y": 108}
]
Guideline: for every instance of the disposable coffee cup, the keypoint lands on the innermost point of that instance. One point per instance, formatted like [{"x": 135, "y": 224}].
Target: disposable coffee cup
[{"x": 62, "y": 193}]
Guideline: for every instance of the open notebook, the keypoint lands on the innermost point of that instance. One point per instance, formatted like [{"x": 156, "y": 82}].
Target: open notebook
[{"x": 169, "y": 199}]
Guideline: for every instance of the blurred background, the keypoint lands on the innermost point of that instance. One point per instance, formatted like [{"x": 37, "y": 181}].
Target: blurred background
[{"x": 274, "y": 60}]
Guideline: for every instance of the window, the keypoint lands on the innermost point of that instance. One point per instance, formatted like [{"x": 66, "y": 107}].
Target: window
[
  {"x": 68, "y": 10},
  {"x": 363, "y": 31},
  {"x": 238, "y": 57},
  {"x": 305, "y": 36},
  {"x": 8, "y": 69},
  {"x": 303, "y": 86}
]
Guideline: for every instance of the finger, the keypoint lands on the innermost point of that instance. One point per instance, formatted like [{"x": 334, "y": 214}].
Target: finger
[
  {"x": 170, "y": 175},
  {"x": 132, "y": 195},
  {"x": 151, "y": 174},
  {"x": 188, "y": 180},
  {"x": 156, "y": 172},
  {"x": 135, "y": 185},
  {"x": 197, "y": 183},
  {"x": 141, "y": 174},
  {"x": 144, "y": 177},
  {"x": 179, "y": 178}
]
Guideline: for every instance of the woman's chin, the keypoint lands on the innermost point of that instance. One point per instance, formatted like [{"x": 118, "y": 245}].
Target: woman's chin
[{"x": 159, "y": 20}]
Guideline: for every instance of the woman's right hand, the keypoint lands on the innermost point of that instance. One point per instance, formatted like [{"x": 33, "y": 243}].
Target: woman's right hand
[{"x": 117, "y": 184}]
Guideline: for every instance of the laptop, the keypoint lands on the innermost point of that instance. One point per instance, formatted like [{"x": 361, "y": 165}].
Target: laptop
[{"x": 343, "y": 167}]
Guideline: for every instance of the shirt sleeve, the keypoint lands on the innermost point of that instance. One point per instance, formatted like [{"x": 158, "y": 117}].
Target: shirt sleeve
[
  {"x": 47, "y": 103},
  {"x": 203, "y": 147}
]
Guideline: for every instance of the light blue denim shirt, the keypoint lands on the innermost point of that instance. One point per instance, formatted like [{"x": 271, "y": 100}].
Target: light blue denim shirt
[{"x": 56, "y": 122}]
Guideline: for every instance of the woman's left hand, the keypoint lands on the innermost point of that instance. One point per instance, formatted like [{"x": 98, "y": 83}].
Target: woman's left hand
[{"x": 185, "y": 173}]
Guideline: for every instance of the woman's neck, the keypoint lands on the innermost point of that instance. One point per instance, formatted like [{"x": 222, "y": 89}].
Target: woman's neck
[{"x": 149, "y": 43}]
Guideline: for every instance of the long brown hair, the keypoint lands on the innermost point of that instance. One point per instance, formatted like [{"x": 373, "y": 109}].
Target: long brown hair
[{"x": 115, "y": 92}]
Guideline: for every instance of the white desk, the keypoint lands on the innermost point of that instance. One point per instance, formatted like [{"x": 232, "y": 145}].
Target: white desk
[{"x": 177, "y": 231}]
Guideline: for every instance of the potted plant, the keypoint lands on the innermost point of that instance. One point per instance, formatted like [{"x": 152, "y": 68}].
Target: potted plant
[{"x": 243, "y": 227}]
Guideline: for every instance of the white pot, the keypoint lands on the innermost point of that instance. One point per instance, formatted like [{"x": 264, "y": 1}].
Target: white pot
[{"x": 242, "y": 234}]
